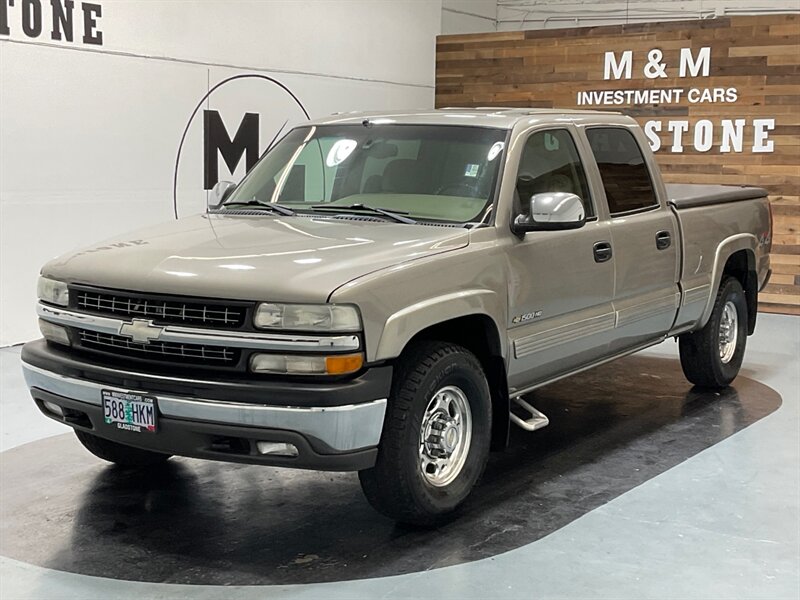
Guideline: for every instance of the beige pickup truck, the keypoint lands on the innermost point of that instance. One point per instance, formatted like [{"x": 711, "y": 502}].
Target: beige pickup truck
[{"x": 381, "y": 290}]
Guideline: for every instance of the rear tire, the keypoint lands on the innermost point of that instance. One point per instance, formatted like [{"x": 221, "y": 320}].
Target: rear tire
[
  {"x": 120, "y": 454},
  {"x": 712, "y": 356},
  {"x": 436, "y": 435}
]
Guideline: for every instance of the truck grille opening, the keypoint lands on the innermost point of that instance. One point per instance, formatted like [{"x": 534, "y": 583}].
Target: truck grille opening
[
  {"x": 161, "y": 310},
  {"x": 159, "y": 351}
]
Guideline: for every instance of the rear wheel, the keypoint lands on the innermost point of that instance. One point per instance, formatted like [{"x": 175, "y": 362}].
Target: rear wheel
[
  {"x": 120, "y": 454},
  {"x": 436, "y": 436},
  {"x": 712, "y": 356}
]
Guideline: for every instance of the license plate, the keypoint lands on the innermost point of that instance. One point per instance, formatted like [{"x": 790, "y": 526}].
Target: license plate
[{"x": 130, "y": 412}]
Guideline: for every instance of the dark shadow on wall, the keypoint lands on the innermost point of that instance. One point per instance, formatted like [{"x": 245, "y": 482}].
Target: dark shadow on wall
[{"x": 197, "y": 522}]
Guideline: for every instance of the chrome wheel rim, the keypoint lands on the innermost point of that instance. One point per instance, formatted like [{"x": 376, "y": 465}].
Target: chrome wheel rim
[
  {"x": 445, "y": 436},
  {"x": 728, "y": 332}
]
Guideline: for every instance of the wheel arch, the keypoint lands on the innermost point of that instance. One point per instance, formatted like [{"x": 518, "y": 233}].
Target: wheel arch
[
  {"x": 741, "y": 265},
  {"x": 736, "y": 257},
  {"x": 478, "y": 333}
]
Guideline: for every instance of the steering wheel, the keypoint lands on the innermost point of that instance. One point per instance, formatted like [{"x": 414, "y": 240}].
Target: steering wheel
[
  {"x": 554, "y": 182},
  {"x": 471, "y": 189},
  {"x": 558, "y": 182}
]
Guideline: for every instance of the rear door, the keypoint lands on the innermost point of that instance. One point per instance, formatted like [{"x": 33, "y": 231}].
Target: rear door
[{"x": 644, "y": 237}]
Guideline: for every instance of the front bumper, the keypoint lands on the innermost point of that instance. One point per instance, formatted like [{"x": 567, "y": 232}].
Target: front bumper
[{"x": 226, "y": 423}]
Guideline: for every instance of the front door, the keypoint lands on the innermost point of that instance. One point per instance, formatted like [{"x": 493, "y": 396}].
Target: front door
[{"x": 562, "y": 282}]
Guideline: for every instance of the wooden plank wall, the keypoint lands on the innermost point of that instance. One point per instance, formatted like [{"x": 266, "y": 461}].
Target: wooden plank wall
[{"x": 758, "y": 55}]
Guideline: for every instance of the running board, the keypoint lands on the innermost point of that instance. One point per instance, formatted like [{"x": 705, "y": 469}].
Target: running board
[{"x": 537, "y": 419}]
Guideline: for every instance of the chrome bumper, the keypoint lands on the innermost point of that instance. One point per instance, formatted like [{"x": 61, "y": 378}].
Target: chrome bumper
[{"x": 343, "y": 428}]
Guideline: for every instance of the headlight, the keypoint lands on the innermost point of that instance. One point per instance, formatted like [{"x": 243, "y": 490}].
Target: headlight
[
  {"x": 339, "y": 364},
  {"x": 52, "y": 291},
  {"x": 307, "y": 317}
]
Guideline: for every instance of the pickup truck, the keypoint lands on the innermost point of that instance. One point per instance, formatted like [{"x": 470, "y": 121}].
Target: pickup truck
[{"x": 381, "y": 290}]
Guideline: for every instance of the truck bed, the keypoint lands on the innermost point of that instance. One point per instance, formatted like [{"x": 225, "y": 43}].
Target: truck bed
[{"x": 690, "y": 195}]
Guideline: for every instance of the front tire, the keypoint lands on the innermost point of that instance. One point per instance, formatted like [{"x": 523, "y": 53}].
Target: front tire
[
  {"x": 436, "y": 435},
  {"x": 119, "y": 454},
  {"x": 712, "y": 356}
]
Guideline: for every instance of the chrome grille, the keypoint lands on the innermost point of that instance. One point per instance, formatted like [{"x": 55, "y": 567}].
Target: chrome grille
[
  {"x": 161, "y": 351},
  {"x": 159, "y": 309}
]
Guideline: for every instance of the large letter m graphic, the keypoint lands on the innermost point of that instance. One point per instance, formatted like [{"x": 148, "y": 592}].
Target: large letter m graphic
[{"x": 216, "y": 141}]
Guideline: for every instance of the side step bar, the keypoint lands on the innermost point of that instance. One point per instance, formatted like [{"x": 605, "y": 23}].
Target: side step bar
[{"x": 537, "y": 419}]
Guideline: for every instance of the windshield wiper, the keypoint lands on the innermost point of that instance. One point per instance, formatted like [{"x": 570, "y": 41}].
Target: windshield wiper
[
  {"x": 278, "y": 208},
  {"x": 394, "y": 215}
]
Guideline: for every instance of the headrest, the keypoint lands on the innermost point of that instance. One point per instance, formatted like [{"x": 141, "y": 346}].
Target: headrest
[{"x": 401, "y": 176}]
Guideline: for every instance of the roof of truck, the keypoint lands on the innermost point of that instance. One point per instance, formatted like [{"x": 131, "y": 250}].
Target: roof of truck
[{"x": 493, "y": 116}]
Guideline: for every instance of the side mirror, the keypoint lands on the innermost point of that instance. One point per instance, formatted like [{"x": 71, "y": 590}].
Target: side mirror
[
  {"x": 219, "y": 193},
  {"x": 551, "y": 211}
]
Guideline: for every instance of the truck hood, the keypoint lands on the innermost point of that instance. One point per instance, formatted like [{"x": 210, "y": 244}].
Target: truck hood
[{"x": 282, "y": 259}]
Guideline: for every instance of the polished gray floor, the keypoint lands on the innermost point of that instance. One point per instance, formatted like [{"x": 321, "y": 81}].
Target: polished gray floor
[{"x": 722, "y": 524}]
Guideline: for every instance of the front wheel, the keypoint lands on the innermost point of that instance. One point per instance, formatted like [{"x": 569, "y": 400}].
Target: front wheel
[
  {"x": 712, "y": 356},
  {"x": 436, "y": 436}
]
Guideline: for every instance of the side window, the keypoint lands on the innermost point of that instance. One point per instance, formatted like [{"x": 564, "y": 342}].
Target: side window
[
  {"x": 626, "y": 179},
  {"x": 550, "y": 163}
]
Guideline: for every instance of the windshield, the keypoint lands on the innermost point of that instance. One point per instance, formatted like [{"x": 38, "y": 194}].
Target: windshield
[{"x": 436, "y": 173}]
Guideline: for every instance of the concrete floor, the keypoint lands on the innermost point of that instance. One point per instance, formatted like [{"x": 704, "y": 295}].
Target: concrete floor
[{"x": 724, "y": 523}]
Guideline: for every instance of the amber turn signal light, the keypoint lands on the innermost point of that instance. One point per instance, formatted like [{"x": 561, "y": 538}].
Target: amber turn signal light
[{"x": 340, "y": 365}]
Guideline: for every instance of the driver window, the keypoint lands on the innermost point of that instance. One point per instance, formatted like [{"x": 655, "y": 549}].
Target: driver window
[{"x": 550, "y": 163}]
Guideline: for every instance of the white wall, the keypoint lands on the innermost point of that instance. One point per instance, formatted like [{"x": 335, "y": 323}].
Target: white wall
[
  {"x": 469, "y": 16},
  {"x": 89, "y": 134},
  {"x": 548, "y": 14}
]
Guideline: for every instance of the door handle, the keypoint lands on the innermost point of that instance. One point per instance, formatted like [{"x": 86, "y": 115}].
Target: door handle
[
  {"x": 602, "y": 252},
  {"x": 663, "y": 240}
]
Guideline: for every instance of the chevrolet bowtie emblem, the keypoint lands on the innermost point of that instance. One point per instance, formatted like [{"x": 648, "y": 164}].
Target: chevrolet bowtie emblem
[{"x": 141, "y": 331}]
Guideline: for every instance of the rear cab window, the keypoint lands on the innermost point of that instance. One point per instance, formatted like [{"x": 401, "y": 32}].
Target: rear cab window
[{"x": 623, "y": 170}]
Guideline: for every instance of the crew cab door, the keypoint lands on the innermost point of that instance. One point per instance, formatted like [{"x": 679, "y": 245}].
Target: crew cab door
[
  {"x": 561, "y": 282},
  {"x": 644, "y": 237}
]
